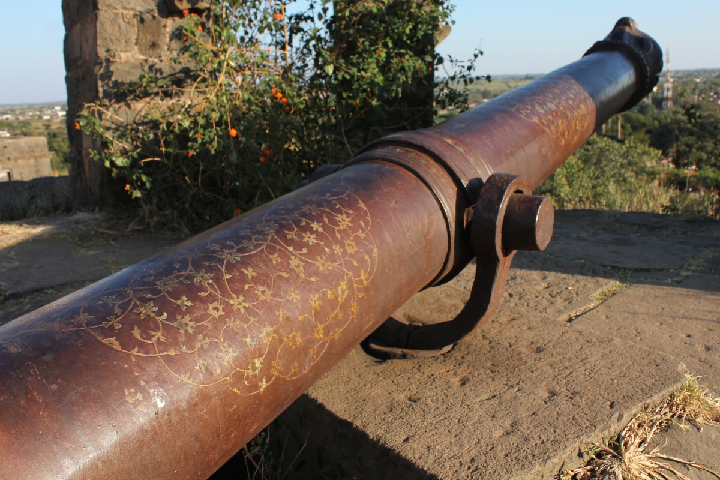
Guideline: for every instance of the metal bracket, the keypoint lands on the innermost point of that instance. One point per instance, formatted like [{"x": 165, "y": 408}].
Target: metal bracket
[{"x": 505, "y": 218}]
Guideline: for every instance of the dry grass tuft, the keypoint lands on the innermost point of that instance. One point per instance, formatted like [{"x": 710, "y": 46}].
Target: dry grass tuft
[
  {"x": 601, "y": 296},
  {"x": 627, "y": 456}
]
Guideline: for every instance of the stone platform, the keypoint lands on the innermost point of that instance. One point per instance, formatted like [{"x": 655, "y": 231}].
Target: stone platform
[{"x": 611, "y": 316}]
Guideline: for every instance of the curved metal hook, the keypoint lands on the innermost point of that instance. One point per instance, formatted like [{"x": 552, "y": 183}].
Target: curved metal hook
[{"x": 503, "y": 209}]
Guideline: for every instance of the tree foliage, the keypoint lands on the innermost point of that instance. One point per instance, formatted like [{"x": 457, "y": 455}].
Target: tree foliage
[
  {"x": 271, "y": 97},
  {"x": 690, "y": 135}
]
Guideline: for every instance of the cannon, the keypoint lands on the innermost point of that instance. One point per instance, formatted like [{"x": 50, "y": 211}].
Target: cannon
[{"x": 165, "y": 369}]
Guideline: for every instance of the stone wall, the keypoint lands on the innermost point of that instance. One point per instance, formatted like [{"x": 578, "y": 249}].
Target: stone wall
[
  {"x": 24, "y": 158},
  {"x": 107, "y": 43},
  {"x": 40, "y": 196}
]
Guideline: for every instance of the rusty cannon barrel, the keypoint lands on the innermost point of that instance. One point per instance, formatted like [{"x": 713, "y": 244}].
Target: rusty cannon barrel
[{"x": 165, "y": 369}]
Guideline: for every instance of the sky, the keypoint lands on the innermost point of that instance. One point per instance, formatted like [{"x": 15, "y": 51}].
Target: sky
[{"x": 517, "y": 37}]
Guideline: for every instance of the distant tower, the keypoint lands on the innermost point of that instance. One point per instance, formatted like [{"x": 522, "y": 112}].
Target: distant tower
[{"x": 667, "y": 90}]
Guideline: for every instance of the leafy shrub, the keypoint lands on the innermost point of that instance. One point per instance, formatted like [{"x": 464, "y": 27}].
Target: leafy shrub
[
  {"x": 272, "y": 96},
  {"x": 608, "y": 175}
]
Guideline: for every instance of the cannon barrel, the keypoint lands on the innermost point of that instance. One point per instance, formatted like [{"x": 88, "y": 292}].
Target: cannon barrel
[{"x": 165, "y": 369}]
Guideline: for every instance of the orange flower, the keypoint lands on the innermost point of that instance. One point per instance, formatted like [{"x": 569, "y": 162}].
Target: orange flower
[
  {"x": 237, "y": 212},
  {"x": 191, "y": 153},
  {"x": 278, "y": 95},
  {"x": 287, "y": 109},
  {"x": 127, "y": 187},
  {"x": 185, "y": 38},
  {"x": 332, "y": 108},
  {"x": 233, "y": 132},
  {"x": 199, "y": 28},
  {"x": 266, "y": 152},
  {"x": 185, "y": 12},
  {"x": 430, "y": 69},
  {"x": 283, "y": 100},
  {"x": 262, "y": 159},
  {"x": 193, "y": 14},
  {"x": 199, "y": 135},
  {"x": 277, "y": 16},
  {"x": 273, "y": 91},
  {"x": 77, "y": 126}
]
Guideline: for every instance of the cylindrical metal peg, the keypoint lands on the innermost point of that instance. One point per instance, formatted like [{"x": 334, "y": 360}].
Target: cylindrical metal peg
[{"x": 528, "y": 223}]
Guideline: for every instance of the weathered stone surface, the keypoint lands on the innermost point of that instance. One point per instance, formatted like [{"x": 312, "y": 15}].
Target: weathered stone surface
[
  {"x": 80, "y": 43},
  {"x": 180, "y": 5},
  {"x": 152, "y": 36},
  {"x": 82, "y": 87},
  {"x": 339, "y": 450},
  {"x": 45, "y": 264},
  {"x": 123, "y": 72},
  {"x": 25, "y": 158},
  {"x": 710, "y": 265},
  {"x": 652, "y": 221},
  {"x": 75, "y": 11},
  {"x": 134, "y": 5},
  {"x": 691, "y": 443},
  {"x": 43, "y": 260},
  {"x": 681, "y": 322},
  {"x": 117, "y": 32},
  {"x": 516, "y": 397},
  {"x": 119, "y": 253},
  {"x": 40, "y": 196},
  {"x": 644, "y": 251}
]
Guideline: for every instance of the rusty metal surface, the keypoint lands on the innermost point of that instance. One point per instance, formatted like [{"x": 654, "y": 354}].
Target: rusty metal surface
[
  {"x": 164, "y": 370},
  {"x": 503, "y": 207}
]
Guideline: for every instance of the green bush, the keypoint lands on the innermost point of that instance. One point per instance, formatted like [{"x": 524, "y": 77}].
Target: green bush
[
  {"x": 607, "y": 175},
  {"x": 272, "y": 97}
]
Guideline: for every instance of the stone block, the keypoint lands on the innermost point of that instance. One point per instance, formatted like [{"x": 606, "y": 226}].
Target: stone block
[
  {"x": 82, "y": 87},
  {"x": 123, "y": 72},
  {"x": 116, "y": 32},
  {"x": 152, "y": 35},
  {"x": 80, "y": 43},
  {"x": 75, "y": 11},
  {"x": 179, "y": 5},
  {"x": 676, "y": 321},
  {"x": 40, "y": 196},
  {"x": 135, "y": 5}
]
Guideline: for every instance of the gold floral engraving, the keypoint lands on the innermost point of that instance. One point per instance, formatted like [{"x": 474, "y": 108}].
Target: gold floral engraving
[{"x": 253, "y": 303}]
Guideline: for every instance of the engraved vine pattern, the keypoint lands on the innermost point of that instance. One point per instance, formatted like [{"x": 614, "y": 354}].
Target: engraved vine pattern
[
  {"x": 247, "y": 304},
  {"x": 565, "y": 124}
]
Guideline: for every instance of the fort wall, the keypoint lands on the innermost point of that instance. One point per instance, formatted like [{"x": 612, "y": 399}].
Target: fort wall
[{"x": 24, "y": 158}]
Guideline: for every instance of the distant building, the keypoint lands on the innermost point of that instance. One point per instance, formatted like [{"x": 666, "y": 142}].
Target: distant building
[
  {"x": 667, "y": 101},
  {"x": 24, "y": 158}
]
